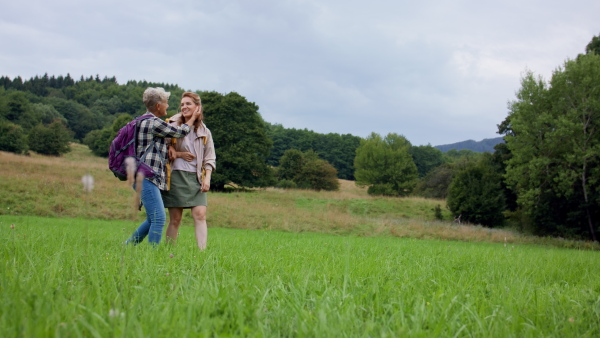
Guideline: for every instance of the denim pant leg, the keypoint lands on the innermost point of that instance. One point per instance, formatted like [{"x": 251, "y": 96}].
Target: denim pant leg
[{"x": 155, "y": 215}]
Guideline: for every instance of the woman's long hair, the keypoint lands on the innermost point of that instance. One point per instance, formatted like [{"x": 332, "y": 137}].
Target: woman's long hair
[{"x": 196, "y": 98}]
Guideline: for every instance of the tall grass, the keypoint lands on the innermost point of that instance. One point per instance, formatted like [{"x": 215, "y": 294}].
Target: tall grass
[
  {"x": 51, "y": 186},
  {"x": 74, "y": 277}
]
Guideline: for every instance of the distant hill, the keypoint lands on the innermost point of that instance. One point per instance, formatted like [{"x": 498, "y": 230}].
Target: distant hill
[{"x": 485, "y": 145}]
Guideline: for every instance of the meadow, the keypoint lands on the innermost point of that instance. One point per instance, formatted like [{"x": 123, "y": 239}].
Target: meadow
[
  {"x": 278, "y": 263},
  {"x": 74, "y": 277}
]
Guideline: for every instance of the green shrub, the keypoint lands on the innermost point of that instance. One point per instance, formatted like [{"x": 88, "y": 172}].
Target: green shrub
[
  {"x": 382, "y": 189},
  {"x": 307, "y": 171},
  {"x": 286, "y": 184},
  {"x": 317, "y": 174},
  {"x": 12, "y": 138},
  {"x": 50, "y": 140},
  {"x": 476, "y": 194},
  {"x": 99, "y": 140},
  {"x": 437, "y": 212},
  {"x": 435, "y": 184}
]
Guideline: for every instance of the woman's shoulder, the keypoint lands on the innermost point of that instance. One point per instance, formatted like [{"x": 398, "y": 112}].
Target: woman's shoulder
[
  {"x": 148, "y": 119},
  {"x": 203, "y": 130}
]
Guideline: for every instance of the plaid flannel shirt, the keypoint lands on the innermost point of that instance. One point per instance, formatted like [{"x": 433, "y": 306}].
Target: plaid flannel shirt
[{"x": 157, "y": 129}]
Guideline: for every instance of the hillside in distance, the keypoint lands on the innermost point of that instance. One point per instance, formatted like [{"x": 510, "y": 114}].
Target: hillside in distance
[{"x": 485, "y": 145}]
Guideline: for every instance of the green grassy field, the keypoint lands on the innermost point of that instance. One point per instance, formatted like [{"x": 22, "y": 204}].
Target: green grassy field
[{"x": 69, "y": 277}]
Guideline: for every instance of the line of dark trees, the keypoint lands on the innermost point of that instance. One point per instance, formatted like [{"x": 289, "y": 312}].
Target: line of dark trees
[
  {"x": 44, "y": 113},
  {"x": 543, "y": 179}
]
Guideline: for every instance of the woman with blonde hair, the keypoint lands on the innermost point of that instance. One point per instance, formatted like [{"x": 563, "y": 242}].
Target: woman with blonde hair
[{"x": 192, "y": 161}]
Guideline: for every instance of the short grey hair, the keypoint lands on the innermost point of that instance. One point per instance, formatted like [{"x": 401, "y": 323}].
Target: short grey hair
[{"x": 153, "y": 96}]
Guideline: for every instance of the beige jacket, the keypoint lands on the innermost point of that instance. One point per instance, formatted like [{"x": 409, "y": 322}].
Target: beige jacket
[{"x": 205, "y": 149}]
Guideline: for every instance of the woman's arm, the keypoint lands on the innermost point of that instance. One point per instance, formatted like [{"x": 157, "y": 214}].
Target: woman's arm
[
  {"x": 210, "y": 156},
  {"x": 164, "y": 129}
]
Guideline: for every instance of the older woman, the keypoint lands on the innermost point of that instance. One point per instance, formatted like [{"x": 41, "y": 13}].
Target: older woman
[
  {"x": 151, "y": 145},
  {"x": 193, "y": 161}
]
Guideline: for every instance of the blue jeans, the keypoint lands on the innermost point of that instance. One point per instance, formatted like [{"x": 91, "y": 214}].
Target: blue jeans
[{"x": 155, "y": 215}]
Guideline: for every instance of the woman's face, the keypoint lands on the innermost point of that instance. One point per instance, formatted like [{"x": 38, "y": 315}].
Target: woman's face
[
  {"x": 188, "y": 107},
  {"x": 161, "y": 108}
]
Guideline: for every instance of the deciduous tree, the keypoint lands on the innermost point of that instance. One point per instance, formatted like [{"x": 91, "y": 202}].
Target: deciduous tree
[
  {"x": 240, "y": 139},
  {"x": 385, "y": 165},
  {"x": 426, "y": 158},
  {"x": 555, "y": 144}
]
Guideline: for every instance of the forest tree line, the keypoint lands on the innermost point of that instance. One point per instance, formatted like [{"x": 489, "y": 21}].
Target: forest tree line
[
  {"x": 45, "y": 113},
  {"x": 543, "y": 180}
]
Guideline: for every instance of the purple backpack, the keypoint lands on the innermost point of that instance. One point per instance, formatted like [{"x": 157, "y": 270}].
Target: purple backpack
[{"x": 123, "y": 146}]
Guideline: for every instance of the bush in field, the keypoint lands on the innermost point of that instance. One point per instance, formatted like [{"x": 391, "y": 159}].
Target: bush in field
[
  {"x": 286, "y": 184},
  {"x": 99, "y": 141},
  {"x": 437, "y": 212},
  {"x": 50, "y": 140},
  {"x": 381, "y": 189},
  {"x": 476, "y": 193},
  {"x": 12, "y": 138},
  {"x": 307, "y": 171},
  {"x": 318, "y": 174}
]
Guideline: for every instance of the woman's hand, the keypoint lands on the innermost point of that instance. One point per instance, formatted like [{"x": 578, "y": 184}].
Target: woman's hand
[
  {"x": 186, "y": 156},
  {"x": 197, "y": 112},
  {"x": 172, "y": 153},
  {"x": 206, "y": 182},
  {"x": 195, "y": 115}
]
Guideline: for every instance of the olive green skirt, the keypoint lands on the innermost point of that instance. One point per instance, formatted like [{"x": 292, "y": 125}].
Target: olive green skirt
[{"x": 185, "y": 191}]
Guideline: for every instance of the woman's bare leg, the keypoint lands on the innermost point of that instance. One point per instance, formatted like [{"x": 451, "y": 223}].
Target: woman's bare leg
[
  {"x": 201, "y": 229},
  {"x": 174, "y": 222}
]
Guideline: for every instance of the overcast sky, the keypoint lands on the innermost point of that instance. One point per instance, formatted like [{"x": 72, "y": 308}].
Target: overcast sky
[{"x": 437, "y": 72}]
